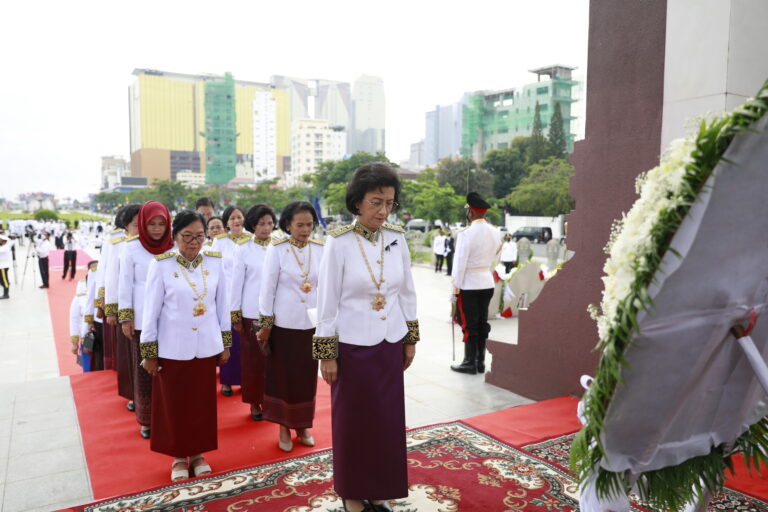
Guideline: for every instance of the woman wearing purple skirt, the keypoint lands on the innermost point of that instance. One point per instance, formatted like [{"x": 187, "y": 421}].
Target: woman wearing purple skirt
[
  {"x": 244, "y": 304},
  {"x": 228, "y": 244},
  {"x": 366, "y": 335}
]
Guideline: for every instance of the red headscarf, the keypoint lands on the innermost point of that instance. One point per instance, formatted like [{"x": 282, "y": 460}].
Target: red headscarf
[{"x": 149, "y": 211}]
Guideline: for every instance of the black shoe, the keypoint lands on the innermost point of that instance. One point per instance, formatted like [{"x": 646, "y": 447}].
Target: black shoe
[
  {"x": 257, "y": 416},
  {"x": 226, "y": 391},
  {"x": 380, "y": 507},
  {"x": 144, "y": 432},
  {"x": 367, "y": 506},
  {"x": 42, "y": 286},
  {"x": 4, "y": 297},
  {"x": 469, "y": 368},
  {"x": 130, "y": 406},
  {"x": 480, "y": 368}
]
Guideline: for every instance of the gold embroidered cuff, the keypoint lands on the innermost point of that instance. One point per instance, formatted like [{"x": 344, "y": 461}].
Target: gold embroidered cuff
[
  {"x": 125, "y": 314},
  {"x": 110, "y": 309},
  {"x": 101, "y": 292},
  {"x": 266, "y": 321},
  {"x": 226, "y": 337},
  {"x": 325, "y": 347},
  {"x": 74, "y": 339},
  {"x": 148, "y": 349},
  {"x": 413, "y": 332},
  {"x": 99, "y": 303},
  {"x": 88, "y": 319},
  {"x": 236, "y": 316}
]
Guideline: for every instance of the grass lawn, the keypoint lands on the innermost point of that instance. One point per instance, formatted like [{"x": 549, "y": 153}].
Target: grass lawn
[{"x": 70, "y": 216}]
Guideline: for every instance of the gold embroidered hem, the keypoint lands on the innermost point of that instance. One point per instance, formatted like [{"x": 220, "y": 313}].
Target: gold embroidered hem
[
  {"x": 186, "y": 263},
  {"x": 266, "y": 321},
  {"x": 110, "y": 309},
  {"x": 325, "y": 347},
  {"x": 236, "y": 316},
  {"x": 74, "y": 339},
  {"x": 125, "y": 314},
  {"x": 226, "y": 337},
  {"x": 101, "y": 292},
  {"x": 297, "y": 243},
  {"x": 99, "y": 303},
  {"x": 88, "y": 319},
  {"x": 148, "y": 349},
  {"x": 371, "y": 236},
  {"x": 413, "y": 332}
]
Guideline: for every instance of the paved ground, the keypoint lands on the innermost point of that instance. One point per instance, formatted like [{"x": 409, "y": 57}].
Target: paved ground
[{"x": 42, "y": 464}]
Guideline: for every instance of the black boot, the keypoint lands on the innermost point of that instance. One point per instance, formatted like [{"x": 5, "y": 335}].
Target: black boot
[
  {"x": 468, "y": 364},
  {"x": 481, "y": 357}
]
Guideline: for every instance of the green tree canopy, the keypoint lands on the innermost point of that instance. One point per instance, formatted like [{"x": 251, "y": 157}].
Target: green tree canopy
[
  {"x": 269, "y": 193},
  {"x": 557, "y": 145},
  {"x": 433, "y": 201},
  {"x": 108, "y": 200},
  {"x": 335, "y": 198},
  {"x": 44, "y": 214},
  {"x": 507, "y": 166},
  {"x": 538, "y": 147},
  {"x": 463, "y": 175},
  {"x": 545, "y": 190},
  {"x": 341, "y": 171}
]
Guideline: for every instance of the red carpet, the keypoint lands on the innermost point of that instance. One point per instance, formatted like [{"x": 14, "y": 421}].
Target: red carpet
[
  {"x": 60, "y": 296},
  {"x": 120, "y": 461},
  {"x": 56, "y": 259}
]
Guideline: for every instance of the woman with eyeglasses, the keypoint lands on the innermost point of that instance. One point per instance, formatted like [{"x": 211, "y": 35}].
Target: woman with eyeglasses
[
  {"x": 366, "y": 338},
  {"x": 288, "y": 290},
  {"x": 233, "y": 219},
  {"x": 244, "y": 304},
  {"x": 154, "y": 238},
  {"x": 185, "y": 333}
]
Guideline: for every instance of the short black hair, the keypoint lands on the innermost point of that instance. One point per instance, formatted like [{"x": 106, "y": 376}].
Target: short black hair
[
  {"x": 129, "y": 213},
  {"x": 204, "y": 201},
  {"x": 228, "y": 213},
  {"x": 369, "y": 177},
  {"x": 292, "y": 209},
  {"x": 186, "y": 217},
  {"x": 119, "y": 218},
  {"x": 254, "y": 215},
  {"x": 215, "y": 217}
]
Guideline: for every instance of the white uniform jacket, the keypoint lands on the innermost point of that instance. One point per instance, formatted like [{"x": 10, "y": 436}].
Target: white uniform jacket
[
  {"x": 112, "y": 274},
  {"x": 134, "y": 266},
  {"x": 77, "y": 312},
  {"x": 171, "y": 326},
  {"x": 282, "y": 302},
  {"x": 477, "y": 248},
  {"x": 228, "y": 246},
  {"x": 89, "y": 314},
  {"x": 106, "y": 250},
  {"x": 246, "y": 279},
  {"x": 345, "y": 291}
]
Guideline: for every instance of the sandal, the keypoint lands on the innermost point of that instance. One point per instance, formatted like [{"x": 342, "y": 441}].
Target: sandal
[
  {"x": 179, "y": 474},
  {"x": 200, "y": 469}
]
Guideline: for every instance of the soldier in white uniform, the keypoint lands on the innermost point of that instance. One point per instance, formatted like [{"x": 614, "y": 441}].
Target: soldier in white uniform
[
  {"x": 366, "y": 335},
  {"x": 477, "y": 248},
  {"x": 185, "y": 332}
]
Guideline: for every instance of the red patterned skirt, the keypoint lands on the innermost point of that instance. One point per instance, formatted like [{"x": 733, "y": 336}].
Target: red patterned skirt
[{"x": 254, "y": 366}]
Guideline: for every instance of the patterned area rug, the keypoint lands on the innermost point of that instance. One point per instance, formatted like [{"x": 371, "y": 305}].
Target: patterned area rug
[
  {"x": 557, "y": 452},
  {"x": 451, "y": 467}
]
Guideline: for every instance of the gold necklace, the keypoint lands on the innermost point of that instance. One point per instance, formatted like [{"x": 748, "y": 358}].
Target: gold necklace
[
  {"x": 379, "y": 300},
  {"x": 306, "y": 286},
  {"x": 199, "y": 308}
]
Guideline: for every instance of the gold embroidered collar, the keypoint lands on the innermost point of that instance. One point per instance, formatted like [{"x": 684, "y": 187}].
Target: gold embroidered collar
[
  {"x": 261, "y": 242},
  {"x": 186, "y": 263},
  {"x": 236, "y": 238},
  {"x": 297, "y": 243},
  {"x": 371, "y": 236}
]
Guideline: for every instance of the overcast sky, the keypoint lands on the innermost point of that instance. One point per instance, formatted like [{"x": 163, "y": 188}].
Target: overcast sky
[{"x": 66, "y": 66}]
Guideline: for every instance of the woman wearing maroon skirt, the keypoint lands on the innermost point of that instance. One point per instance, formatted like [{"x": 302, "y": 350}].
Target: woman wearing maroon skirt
[
  {"x": 154, "y": 226},
  {"x": 185, "y": 333},
  {"x": 244, "y": 304},
  {"x": 288, "y": 289},
  {"x": 366, "y": 335}
]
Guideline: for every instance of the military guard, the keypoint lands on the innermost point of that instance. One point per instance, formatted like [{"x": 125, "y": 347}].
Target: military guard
[{"x": 477, "y": 247}]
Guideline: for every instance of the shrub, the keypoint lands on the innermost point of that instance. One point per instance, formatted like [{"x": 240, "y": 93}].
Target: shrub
[{"x": 44, "y": 214}]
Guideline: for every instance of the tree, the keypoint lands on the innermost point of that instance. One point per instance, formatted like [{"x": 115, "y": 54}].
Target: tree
[
  {"x": 335, "y": 198},
  {"x": 538, "y": 147},
  {"x": 44, "y": 214},
  {"x": 507, "y": 166},
  {"x": 269, "y": 193},
  {"x": 545, "y": 190},
  {"x": 463, "y": 175},
  {"x": 341, "y": 171},
  {"x": 108, "y": 200},
  {"x": 434, "y": 201},
  {"x": 557, "y": 144}
]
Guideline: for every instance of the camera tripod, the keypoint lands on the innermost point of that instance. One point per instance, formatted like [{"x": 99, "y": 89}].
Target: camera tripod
[{"x": 31, "y": 253}]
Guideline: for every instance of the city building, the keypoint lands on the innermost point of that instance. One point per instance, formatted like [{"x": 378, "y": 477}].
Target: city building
[
  {"x": 265, "y": 135},
  {"x": 328, "y": 100},
  {"x": 443, "y": 132},
  {"x": 313, "y": 141},
  {"x": 416, "y": 158},
  {"x": 184, "y": 123},
  {"x": 368, "y": 121},
  {"x": 492, "y": 119},
  {"x": 190, "y": 178},
  {"x": 113, "y": 168}
]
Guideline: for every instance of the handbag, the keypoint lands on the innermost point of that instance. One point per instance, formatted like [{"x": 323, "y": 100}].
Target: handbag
[
  {"x": 264, "y": 346},
  {"x": 88, "y": 341}
]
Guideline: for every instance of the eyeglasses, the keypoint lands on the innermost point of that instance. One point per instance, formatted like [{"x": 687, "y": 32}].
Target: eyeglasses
[
  {"x": 191, "y": 238},
  {"x": 377, "y": 205}
]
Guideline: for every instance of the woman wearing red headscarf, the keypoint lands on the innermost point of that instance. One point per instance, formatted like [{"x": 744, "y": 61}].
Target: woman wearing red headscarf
[{"x": 154, "y": 222}]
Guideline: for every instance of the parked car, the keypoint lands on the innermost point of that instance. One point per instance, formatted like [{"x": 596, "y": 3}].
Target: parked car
[
  {"x": 418, "y": 225},
  {"x": 534, "y": 234}
]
